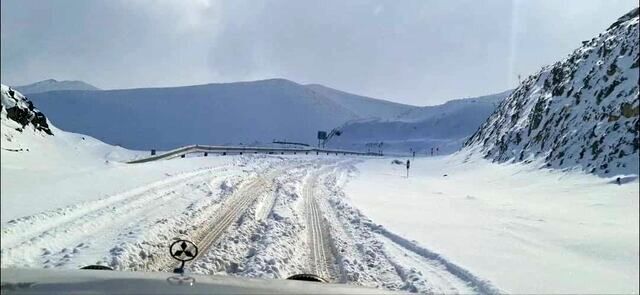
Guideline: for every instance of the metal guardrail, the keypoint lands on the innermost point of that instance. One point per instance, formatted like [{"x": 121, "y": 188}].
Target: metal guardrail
[{"x": 228, "y": 150}]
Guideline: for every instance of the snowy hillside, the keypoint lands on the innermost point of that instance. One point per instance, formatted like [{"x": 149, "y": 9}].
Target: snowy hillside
[
  {"x": 361, "y": 106},
  {"x": 483, "y": 105},
  {"x": 29, "y": 140},
  {"x": 582, "y": 111},
  {"x": 444, "y": 127},
  {"x": 54, "y": 85},
  {"x": 39, "y": 159},
  {"x": 231, "y": 113}
]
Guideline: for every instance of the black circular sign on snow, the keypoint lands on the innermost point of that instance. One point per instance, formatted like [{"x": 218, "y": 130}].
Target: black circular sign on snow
[{"x": 183, "y": 250}]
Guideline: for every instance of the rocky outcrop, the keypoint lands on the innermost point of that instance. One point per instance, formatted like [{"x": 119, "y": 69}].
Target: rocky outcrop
[
  {"x": 19, "y": 109},
  {"x": 580, "y": 112}
]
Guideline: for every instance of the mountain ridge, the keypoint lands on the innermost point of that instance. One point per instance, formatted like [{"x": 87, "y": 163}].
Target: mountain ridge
[
  {"x": 54, "y": 85},
  {"x": 216, "y": 113}
]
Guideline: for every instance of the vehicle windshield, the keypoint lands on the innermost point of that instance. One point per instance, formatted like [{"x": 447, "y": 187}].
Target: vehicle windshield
[{"x": 416, "y": 146}]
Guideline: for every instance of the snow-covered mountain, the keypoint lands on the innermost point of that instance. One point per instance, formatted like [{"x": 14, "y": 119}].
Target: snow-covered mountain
[
  {"x": 483, "y": 105},
  {"x": 31, "y": 142},
  {"x": 362, "y": 106},
  {"x": 54, "y": 85},
  {"x": 228, "y": 113},
  {"x": 580, "y": 112},
  {"x": 443, "y": 127}
]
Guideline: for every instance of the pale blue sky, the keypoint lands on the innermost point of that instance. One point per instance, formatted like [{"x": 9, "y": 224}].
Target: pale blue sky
[{"x": 411, "y": 51}]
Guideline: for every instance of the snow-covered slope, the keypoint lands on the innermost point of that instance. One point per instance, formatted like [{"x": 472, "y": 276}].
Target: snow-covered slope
[
  {"x": 29, "y": 141},
  {"x": 54, "y": 85},
  {"x": 43, "y": 166},
  {"x": 229, "y": 113},
  {"x": 482, "y": 105},
  {"x": 580, "y": 112},
  {"x": 362, "y": 106},
  {"x": 444, "y": 127}
]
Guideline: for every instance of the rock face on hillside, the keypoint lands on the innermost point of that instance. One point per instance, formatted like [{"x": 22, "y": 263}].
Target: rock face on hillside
[
  {"x": 18, "y": 111},
  {"x": 582, "y": 111}
]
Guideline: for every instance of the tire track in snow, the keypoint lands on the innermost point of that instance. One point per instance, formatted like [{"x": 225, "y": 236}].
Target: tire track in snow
[
  {"x": 265, "y": 205},
  {"x": 101, "y": 223},
  {"x": 268, "y": 247},
  {"x": 434, "y": 261},
  {"x": 417, "y": 269},
  {"x": 230, "y": 212},
  {"x": 367, "y": 252},
  {"x": 32, "y": 227},
  {"x": 321, "y": 256}
]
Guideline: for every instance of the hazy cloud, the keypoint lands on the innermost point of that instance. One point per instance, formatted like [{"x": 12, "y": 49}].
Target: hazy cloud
[{"x": 414, "y": 51}]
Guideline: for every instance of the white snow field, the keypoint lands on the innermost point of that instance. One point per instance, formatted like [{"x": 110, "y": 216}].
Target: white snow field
[
  {"x": 525, "y": 229},
  {"x": 484, "y": 228},
  {"x": 69, "y": 200}
]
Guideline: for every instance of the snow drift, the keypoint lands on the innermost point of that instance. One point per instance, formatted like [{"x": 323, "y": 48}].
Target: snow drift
[{"x": 580, "y": 112}]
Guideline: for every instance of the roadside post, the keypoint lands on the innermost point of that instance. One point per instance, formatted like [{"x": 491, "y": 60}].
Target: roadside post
[{"x": 408, "y": 165}]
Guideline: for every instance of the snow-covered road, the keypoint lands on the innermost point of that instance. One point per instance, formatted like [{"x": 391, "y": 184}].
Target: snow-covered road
[
  {"x": 346, "y": 219},
  {"x": 321, "y": 258},
  {"x": 253, "y": 216}
]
